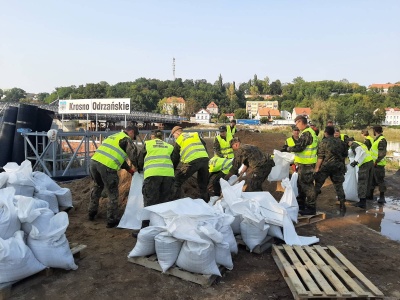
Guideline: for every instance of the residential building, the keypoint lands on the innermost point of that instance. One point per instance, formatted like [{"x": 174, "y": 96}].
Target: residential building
[
  {"x": 383, "y": 86},
  {"x": 286, "y": 115},
  {"x": 392, "y": 116},
  {"x": 252, "y": 107},
  {"x": 230, "y": 116},
  {"x": 203, "y": 116},
  {"x": 269, "y": 113},
  {"x": 212, "y": 108},
  {"x": 305, "y": 111},
  {"x": 170, "y": 102}
]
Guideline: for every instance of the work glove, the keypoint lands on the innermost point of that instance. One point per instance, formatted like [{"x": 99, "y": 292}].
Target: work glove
[
  {"x": 354, "y": 163},
  {"x": 131, "y": 171},
  {"x": 284, "y": 148}
]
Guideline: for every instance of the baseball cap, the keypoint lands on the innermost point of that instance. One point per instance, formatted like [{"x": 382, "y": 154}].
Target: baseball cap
[
  {"x": 176, "y": 128},
  {"x": 222, "y": 128}
]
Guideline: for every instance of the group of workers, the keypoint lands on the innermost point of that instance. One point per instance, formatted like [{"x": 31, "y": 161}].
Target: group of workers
[
  {"x": 166, "y": 167},
  {"x": 316, "y": 160}
]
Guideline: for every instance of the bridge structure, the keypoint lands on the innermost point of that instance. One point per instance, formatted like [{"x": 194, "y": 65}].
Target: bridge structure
[{"x": 134, "y": 116}]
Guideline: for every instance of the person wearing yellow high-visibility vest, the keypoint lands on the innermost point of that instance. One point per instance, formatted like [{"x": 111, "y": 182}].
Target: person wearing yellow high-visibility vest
[
  {"x": 158, "y": 170},
  {"x": 305, "y": 151},
  {"x": 290, "y": 142},
  {"x": 108, "y": 159},
  {"x": 368, "y": 140},
  {"x": 222, "y": 146},
  {"x": 378, "y": 151},
  {"x": 218, "y": 168},
  {"x": 190, "y": 151},
  {"x": 231, "y": 129},
  {"x": 365, "y": 162}
]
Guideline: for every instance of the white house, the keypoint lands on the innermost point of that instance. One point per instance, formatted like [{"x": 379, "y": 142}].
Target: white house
[
  {"x": 305, "y": 111},
  {"x": 286, "y": 115},
  {"x": 203, "y": 116},
  {"x": 392, "y": 116}
]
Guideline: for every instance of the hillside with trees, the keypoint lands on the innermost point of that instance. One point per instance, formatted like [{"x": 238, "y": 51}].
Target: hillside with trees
[{"x": 349, "y": 104}]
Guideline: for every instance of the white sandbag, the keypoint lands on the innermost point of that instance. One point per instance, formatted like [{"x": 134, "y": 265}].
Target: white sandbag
[
  {"x": 350, "y": 184},
  {"x": 275, "y": 231},
  {"x": 49, "y": 197},
  {"x": 42, "y": 217},
  {"x": 282, "y": 162},
  {"x": 51, "y": 246},
  {"x": 289, "y": 200},
  {"x": 9, "y": 222},
  {"x": 64, "y": 197},
  {"x": 131, "y": 218},
  {"x": 293, "y": 182},
  {"x": 3, "y": 179},
  {"x": 223, "y": 255},
  {"x": 156, "y": 220},
  {"x": 23, "y": 190},
  {"x": 253, "y": 234},
  {"x": 229, "y": 237},
  {"x": 167, "y": 249},
  {"x": 42, "y": 180},
  {"x": 27, "y": 206},
  {"x": 236, "y": 223},
  {"x": 16, "y": 259},
  {"x": 145, "y": 244},
  {"x": 198, "y": 258}
]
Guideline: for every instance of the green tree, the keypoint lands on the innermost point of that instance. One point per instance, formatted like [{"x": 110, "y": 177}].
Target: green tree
[
  {"x": 276, "y": 87},
  {"x": 191, "y": 107},
  {"x": 1, "y": 93},
  {"x": 264, "y": 120},
  {"x": 241, "y": 113},
  {"x": 223, "y": 119},
  {"x": 42, "y": 96},
  {"x": 15, "y": 95}
]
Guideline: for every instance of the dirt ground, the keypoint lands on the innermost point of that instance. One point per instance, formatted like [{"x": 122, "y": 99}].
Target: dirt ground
[{"x": 104, "y": 272}]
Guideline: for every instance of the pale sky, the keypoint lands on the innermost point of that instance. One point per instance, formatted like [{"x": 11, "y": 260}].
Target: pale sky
[{"x": 49, "y": 43}]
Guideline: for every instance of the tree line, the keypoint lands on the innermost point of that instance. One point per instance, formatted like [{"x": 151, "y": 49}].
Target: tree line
[{"x": 348, "y": 104}]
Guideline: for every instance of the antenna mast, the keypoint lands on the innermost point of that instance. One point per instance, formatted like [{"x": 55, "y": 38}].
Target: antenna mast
[{"x": 173, "y": 67}]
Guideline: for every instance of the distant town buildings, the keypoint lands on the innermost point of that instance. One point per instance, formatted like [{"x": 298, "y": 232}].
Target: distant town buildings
[
  {"x": 178, "y": 102},
  {"x": 392, "y": 116},
  {"x": 203, "y": 116},
  {"x": 212, "y": 108},
  {"x": 269, "y": 113},
  {"x": 383, "y": 86},
  {"x": 252, "y": 107},
  {"x": 305, "y": 111},
  {"x": 286, "y": 115}
]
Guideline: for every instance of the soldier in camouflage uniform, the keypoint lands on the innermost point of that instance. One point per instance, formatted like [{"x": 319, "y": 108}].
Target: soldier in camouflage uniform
[
  {"x": 378, "y": 152},
  {"x": 368, "y": 140},
  {"x": 330, "y": 155},
  {"x": 108, "y": 159},
  {"x": 364, "y": 160},
  {"x": 257, "y": 165},
  {"x": 305, "y": 151}
]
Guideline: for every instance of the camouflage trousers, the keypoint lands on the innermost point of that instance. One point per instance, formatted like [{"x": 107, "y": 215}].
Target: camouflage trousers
[
  {"x": 306, "y": 184},
  {"x": 365, "y": 177},
  {"x": 336, "y": 173},
  {"x": 157, "y": 189},
  {"x": 255, "y": 178},
  {"x": 104, "y": 178},
  {"x": 379, "y": 179},
  {"x": 185, "y": 171}
]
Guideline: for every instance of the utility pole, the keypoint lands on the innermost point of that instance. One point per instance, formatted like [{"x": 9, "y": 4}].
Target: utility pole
[{"x": 173, "y": 67}]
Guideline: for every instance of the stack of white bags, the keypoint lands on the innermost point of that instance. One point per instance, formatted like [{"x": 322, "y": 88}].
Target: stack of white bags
[{"x": 32, "y": 236}]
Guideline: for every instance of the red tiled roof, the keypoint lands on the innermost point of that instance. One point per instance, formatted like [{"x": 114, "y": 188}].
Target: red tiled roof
[
  {"x": 230, "y": 115},
  {"x": 268, "y": 112},
  {"x": 212, "y": 105},
  {"x": 383, "y": 85},
  {"x": 302, "y": 111},
  {"x": 175, "y": 100},
  {"x": 395, "y": 109}
]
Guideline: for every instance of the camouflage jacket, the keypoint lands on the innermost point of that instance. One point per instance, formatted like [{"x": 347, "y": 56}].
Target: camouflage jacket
[
  {"x": 332, "y": 151},
  {"x": 249, "y": 156}
]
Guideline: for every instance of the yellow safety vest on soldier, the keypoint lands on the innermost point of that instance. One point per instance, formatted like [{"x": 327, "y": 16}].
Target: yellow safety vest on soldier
[
  {"x": 230, "y": 132},
  {"x": 158, "y": 159},
  {"x": 374, "y": 151},
  {"x": 290, "y": 142},
  {"x": 309, "y": 155},
  {"x": 368, "y": 156},
  {"x": 225, "y": 145},
  {"x": 109, "y": 153},
  {"x": 191, "y": 147},
  {"x": 217, "y": 164}
]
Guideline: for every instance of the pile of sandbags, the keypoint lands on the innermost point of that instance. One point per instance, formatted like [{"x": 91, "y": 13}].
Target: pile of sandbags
[
  {"x": 258, "y": 214},
  {"x": 187, "y": 233},
  {"x": 32, "y": 236}
]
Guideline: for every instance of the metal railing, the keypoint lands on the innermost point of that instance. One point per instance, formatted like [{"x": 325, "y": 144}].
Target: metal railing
[{"x": 70, "y": 153}]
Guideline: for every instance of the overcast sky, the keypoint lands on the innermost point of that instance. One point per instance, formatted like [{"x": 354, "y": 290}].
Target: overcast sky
[{"x": 47, "y": 44}]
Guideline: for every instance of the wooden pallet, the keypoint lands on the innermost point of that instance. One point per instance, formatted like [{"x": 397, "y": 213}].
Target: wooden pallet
[
  {"x": 265, "y": 245},
  {"x": 151, "y": 262},
  {"x": 305, "y": 220},
  {"x": 5, "y": 288},
  {"x": 322, "y": 272}
]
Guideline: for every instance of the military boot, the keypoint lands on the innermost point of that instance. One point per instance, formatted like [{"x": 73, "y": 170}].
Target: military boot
[
  {"x": 381, "y": 199},
  {"x": 308, "y": 210},
  {"x": 370, "y": 195},
  {"x": 342, "y": 204},
  {"x": 362, "y": 203}
]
